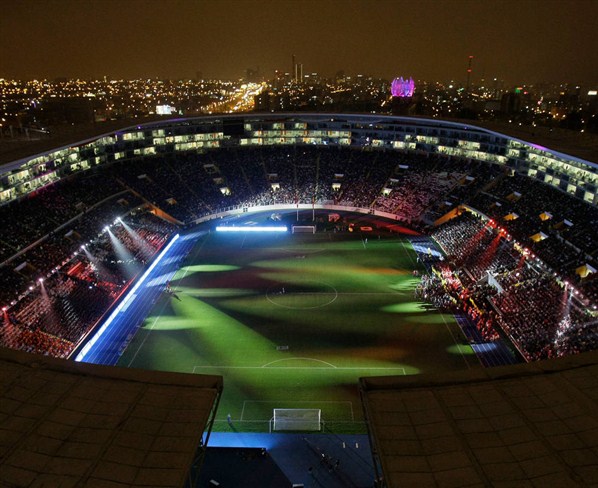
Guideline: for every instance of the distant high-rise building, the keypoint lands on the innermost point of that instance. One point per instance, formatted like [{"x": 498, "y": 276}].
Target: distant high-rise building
[
  {"x": 469, "y": 72},
  {"x": 262, "y": 102},
  {"x": 297, "y": 71}
]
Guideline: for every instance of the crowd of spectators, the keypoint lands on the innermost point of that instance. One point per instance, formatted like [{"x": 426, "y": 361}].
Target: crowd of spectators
[
  {"x": 412, "y": 189},
  {"x": 61, "y": 307},
  {"x": 56, "y": 247},
  {"x": 506, "y": 290},
  {"x": 570, "y": 226},
  {"x": 191, "y": 186},
  {"x": 26, "y": 221}
]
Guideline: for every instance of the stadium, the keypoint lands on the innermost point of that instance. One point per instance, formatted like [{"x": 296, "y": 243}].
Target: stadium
[{"x": 397, "y": 278}]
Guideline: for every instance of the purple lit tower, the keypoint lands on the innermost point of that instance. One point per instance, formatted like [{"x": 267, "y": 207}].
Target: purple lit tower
[
  {"x": 402, "y": 88},
  {"x": 402, "y": 95}
]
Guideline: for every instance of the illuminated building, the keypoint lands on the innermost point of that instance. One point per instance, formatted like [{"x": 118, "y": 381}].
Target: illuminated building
[
  {"x": 402, "y": 93},
  {"x": 402, "y": 88}
]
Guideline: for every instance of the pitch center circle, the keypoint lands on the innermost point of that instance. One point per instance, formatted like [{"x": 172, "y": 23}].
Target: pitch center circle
[{"x": 302, "y": 296}]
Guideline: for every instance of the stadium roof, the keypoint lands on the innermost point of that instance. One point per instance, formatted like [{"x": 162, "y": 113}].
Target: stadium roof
[
  {"x": 59, "y": 136},
  {"x": 525, "y": 425},
  {"x": 584, "y": 146},
  {"x": 70, "y": 424},
  {"x": 573, "y": 143}
]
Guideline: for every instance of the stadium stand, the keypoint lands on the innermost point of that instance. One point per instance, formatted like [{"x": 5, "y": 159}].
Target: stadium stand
[
  {"x": 46, "y": 229},
  {"x": 505, "y": 290}
]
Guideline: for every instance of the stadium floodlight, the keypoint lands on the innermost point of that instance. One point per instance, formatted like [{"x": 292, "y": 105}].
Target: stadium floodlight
[{"x": 257, "y": 228}]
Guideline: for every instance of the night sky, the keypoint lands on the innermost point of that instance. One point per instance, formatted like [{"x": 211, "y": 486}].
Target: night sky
[{"x": 521, "y": 41}]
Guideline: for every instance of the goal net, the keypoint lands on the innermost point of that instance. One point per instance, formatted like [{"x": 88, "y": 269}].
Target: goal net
[
  {"x": 298, "y": 229},
  {"x": 309, "y": 419}
]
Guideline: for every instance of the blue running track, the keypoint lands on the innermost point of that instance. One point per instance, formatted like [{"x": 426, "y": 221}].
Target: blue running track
[{"x": 109, "y": 342}]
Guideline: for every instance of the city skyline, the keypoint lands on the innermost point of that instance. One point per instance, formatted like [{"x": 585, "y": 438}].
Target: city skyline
[{"x": 518, "y": 41}]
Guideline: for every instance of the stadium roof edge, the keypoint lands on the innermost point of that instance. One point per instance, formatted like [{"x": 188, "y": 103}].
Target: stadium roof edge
[
  {"x": 463, "y": 423},
  {"x": 86, "y": 416},
  {"x": 49, "y": 363},
  {"x": 93, "y": 135}
]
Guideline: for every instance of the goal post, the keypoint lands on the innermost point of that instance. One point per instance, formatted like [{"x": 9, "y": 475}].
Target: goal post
[
  {"x": 303, "y": 229},
  {"x": 296, "y": 419}
]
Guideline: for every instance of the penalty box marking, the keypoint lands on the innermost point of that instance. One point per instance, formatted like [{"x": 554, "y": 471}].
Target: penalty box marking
[{"x": 295, "y": 402}]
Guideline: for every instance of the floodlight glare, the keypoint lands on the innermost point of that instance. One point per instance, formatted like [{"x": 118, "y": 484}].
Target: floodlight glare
[{"x": 256, "y": 228}]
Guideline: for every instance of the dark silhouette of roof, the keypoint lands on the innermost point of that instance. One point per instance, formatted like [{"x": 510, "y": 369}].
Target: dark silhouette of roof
[
  {"x": 68, "y": 424},
  {"x": 532, "y": 424}
]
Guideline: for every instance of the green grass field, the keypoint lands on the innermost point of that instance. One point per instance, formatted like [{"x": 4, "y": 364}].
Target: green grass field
[{"x": 292, "y": 321}]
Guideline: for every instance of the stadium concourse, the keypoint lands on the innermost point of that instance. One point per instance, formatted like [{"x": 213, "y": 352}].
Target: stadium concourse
[{"x": 512, "y": 257}]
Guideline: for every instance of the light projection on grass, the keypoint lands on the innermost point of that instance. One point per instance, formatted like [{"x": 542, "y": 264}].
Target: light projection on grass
[
  {"x": 461, "y": 349},
  {"x": 409, "y": 307},
  {"x": 210, "y": 268},
  {"x": 215, "y": 292},
  {"x": 406, "y": 284},
  {"x": 257, "y": 228}
]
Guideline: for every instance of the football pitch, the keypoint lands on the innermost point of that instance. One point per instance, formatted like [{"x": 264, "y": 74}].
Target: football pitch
[{"x": 293, "y": 321}]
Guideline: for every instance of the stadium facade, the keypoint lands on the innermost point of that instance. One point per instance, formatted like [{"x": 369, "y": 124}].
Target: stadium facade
[{"x": 570, "y": 174}]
